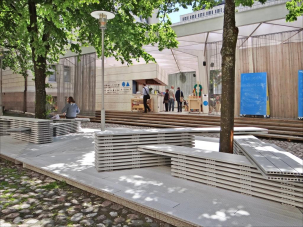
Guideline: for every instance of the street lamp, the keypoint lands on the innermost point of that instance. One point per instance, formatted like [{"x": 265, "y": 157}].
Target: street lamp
[
  {"x": 2, "y": 53},
  {"x": 103, "y": 16}
]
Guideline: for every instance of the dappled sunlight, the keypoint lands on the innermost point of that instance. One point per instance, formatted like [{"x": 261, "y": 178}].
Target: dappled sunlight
[
  {"x": 176, "y": 189},
  {"x": 83, "y": 162},
  {"x": 90, "y": 130},
  {"x": 140, "y": 195},
  {"x": 210, "y": 146},
  {"x": 136, "y": 181},
  {"x": 225, "y": 214}
]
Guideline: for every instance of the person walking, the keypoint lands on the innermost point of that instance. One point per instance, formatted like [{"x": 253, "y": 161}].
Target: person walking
[
  {"x": 171, "y": 102},
  {"x": 71, "y": 109},
  {"x": 146, "y": 96},
  {"x": 166, "y": 100},
  {"x": 179, "y": 97}
]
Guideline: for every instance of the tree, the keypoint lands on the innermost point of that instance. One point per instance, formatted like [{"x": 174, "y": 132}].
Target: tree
[
  {"x": 17, "y": 58},
  {"x": 230, "y": 35},
  {"x": 50, "y": 27}
]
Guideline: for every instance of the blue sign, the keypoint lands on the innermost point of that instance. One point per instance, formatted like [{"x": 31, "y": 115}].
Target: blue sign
[
  {"x": 127, "y": 84},
  {"x": 123, "y": 84},
  {"x": 253, "y": 94},
  {"x": 205, "y": 103},
  {"x": 300, "y": 94}
]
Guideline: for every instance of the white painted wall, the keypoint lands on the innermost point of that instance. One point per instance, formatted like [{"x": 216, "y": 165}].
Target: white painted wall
[{"x": 117, "y": 75}]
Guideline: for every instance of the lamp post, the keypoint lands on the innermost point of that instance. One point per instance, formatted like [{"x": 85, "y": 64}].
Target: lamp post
[
  {"x": 2, "y": 52},
  {"x": 103, "y": 16}
]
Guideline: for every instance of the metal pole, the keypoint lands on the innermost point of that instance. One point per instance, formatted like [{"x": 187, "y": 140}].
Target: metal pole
[
  {"x": 1, "y": 108},
  {"x": 102, "y": 110}
]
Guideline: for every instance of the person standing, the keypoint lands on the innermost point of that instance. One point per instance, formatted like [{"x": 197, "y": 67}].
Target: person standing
[
  {"x": 171, "y": 102},
  {"x": 146, "y": 96},
  {"x": 179, "y": 97},
  {"x": 166, "y": 100},
  {"x": 71, "y": 109}
]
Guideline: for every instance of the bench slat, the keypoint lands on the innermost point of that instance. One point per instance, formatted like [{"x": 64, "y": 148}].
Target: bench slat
[
  {"x": 21, "y": 129},
  {"x": 270, "y": 159}
]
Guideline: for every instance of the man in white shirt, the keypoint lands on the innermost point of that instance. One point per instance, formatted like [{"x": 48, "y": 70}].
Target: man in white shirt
[
  {"x": 145, "y": 92},
  {"x": 171, "y": 101}
]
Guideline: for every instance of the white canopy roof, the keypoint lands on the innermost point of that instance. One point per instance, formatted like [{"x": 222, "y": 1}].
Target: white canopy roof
[{"x": 192, "y": 42}]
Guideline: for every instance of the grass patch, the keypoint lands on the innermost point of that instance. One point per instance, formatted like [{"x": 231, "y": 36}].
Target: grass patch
[
  {"x": 54, "y": 185},
  {"x": 4, "y": 183},
  {"x": 8, "y": 170}
]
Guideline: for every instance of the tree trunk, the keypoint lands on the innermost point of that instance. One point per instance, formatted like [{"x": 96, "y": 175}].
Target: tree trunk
[
  {"x": 228, "y": 52},
  {"x": 40, "y": 107},
  {"x": 39, "y": 63}
]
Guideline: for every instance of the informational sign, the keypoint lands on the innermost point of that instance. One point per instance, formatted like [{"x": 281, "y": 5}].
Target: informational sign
[
  {"x": 254, "y": 94},
  {"x": 205, "y": 103},
  {"x": 300, "y": 94},
  {"x": 117, "y": 87}
]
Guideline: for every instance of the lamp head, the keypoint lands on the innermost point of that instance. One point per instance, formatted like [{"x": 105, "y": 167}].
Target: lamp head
[{"x": 102, "y": 16}]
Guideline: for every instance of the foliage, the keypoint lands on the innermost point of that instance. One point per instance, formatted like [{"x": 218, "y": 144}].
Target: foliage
[
  {"x": 42, "y": 30},
  {"x": 295, "y": 8}
]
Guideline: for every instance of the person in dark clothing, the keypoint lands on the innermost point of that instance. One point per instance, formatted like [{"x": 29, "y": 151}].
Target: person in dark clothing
[
  {"x": 146, "y": 96},
  {"x": 179, "y": 96},
  {"x": 166, "y": 99}
]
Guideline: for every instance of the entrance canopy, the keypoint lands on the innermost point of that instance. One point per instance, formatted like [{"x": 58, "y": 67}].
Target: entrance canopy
[{"x": 194, "y": 36}]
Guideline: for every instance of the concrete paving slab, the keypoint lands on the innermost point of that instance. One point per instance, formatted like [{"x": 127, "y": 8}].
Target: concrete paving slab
[{"x": 201, "y": 205}]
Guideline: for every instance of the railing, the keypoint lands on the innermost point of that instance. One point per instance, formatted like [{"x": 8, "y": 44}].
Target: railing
[{"x": 256, "y": 5}]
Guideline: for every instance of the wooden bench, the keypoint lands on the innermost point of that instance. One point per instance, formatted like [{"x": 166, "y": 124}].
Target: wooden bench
[
  {"x": 4, "y": 126},
  {"x": 227, "y": 171},
  {"x": 272, "y": 161},
  {"x": 71, "y": 125},
  {"x": 117, "y": 148},
  {"x": 29, "y": 129}
]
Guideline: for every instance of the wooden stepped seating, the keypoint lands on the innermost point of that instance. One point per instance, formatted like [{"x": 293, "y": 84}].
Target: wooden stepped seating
[
  {"x": 228, "y": 171},
  {"x": 278, "y": 128}
]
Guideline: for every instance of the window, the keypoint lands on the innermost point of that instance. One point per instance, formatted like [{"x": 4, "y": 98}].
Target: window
[
  {"x": 66, "y": 74},
  {"x": 52, "y": 76}
]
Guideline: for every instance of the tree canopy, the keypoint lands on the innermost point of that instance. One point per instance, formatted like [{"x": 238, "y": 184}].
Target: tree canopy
[{"x": 47, "y": 28}]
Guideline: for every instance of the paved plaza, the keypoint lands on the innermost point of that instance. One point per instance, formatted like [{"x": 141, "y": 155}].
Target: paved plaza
[
  {"x": 32, "y": 199},
  {"x": 29, "y": 198}
]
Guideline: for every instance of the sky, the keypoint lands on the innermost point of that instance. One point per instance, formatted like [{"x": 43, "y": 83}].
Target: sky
[{"x": 175, "y": 17}]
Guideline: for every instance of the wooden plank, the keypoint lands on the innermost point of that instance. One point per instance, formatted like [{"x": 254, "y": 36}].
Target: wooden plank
[
  {"x": 21, "y": 129},
  {"x": 268, "y": 158}
]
